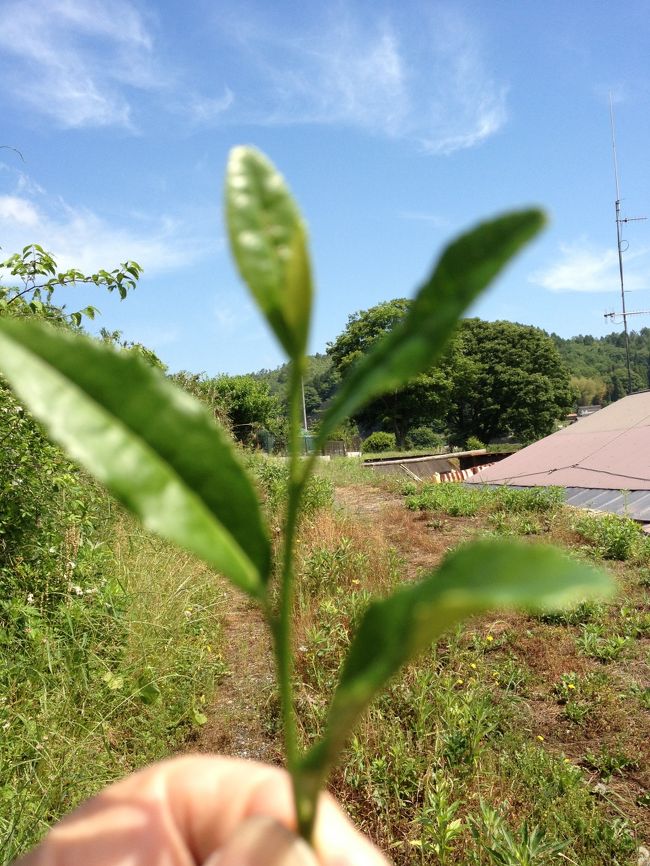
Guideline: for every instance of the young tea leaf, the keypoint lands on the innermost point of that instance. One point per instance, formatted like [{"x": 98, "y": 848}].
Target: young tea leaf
[
  {"x": 152, "y": 445},
  {"x": 472, "y": 579},
  {"x": 465, "y": 268},
  {"x": 269, "y": 243}
]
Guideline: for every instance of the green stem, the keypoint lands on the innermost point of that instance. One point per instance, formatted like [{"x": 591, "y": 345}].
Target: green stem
[{"x": 282, "y": 626}]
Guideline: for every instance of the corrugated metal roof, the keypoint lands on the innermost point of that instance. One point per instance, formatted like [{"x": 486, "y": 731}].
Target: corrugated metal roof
[{"x": 609, "y": 450}]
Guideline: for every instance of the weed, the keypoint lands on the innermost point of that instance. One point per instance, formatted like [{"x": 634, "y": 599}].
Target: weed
[
  {"x": 594, "y": 644},
  {"x": 583, "y": 612},
  {"x": 642, "y": 694},
  {"x": 607, "y": 763},
  {"x": 577, "y": 711},
  {"x": 511, "y": 676},
  {"x": 611, "y": 536},
  {"x": 437, "y": 818},
  {"x": 531, "y": 500},
  {"x": 503, "y": 847},
  {"x": 111, "y": 680},
  {"x": 450, "y": 498},
  {"x": 644, "y": 578}
]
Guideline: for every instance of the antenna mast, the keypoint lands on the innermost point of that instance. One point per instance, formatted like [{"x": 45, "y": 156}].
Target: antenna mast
[{"x": 622, "y": 246}]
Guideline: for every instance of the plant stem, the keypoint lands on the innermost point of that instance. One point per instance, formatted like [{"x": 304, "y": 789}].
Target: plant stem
[{"x": 282, "y": 626}]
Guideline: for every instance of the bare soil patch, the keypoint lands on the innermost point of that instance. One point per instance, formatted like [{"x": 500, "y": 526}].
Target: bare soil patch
[{"x": 239, "y": 718}]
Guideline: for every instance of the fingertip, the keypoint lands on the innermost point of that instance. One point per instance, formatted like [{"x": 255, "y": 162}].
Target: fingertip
[{"x": 338, "y": 842}]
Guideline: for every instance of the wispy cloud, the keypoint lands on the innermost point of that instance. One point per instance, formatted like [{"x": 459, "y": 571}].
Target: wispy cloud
[
  {"x": 69, "y": 59},
  {"x": 430, "y": 85},
  {"x": 206, "y": 110},
  {"x": 78, "y": 237},
  {"x": 581, "y": 267}
]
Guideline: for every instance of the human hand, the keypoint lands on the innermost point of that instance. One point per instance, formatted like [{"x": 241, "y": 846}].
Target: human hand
[{"x": 201, "y": 810}]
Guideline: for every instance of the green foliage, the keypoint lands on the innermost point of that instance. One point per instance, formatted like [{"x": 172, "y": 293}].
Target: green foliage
[
  {"x": 608, "y": 763},
  {"x": 425, "y": 437},
  {"x": 37, "y": 270},
  {"x": 495, "y": 379},
  {"x": 508, "y": 379},
  {"x": 612, "y": 537},
  {"x": 606, "y": 648},
  {"x": 588, "y": 390},
  {"x": 598, "y": 364},
  {"x": 248, "y": 404},
  {"x": 269, "y": 243},
  {"x": 379, "y": 441},
  {"x": 106, "y": 678},
  {"x": 153, "y": 447},
  {"x": 273, "y": 478},
  {"x": 452, "y": 499},
  {"x": 115, "y": 338},
  {"x": 158, "y": 450},
  {"x": 474, "y": 444},
  {"x": 528, "y": 847}
]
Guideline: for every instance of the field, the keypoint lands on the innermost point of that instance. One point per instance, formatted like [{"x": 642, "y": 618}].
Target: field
[{"x": 515, "y": 740}]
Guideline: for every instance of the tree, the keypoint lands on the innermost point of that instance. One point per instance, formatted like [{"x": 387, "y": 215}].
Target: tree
[
  {"x": 248, "y": 404},
  {"x": 589, "y": 390},
  {"x": 425, "y": 400},
  {"x": 496, "y": 379},
  {"x": 508, "y": 379}
]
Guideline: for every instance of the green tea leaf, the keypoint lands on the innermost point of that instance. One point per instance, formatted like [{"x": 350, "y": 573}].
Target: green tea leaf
[
  {"x": 268, "y": 239},
  {"x": 465, "y": 268},
  {"x": 155, "y": 447},
  {"x": 471, "y": 579}
]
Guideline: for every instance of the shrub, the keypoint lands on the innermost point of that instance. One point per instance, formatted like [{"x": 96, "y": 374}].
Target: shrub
[
  {"x": 425, "y": 437},
  {"x": 379, "y": 441},
  {"x": 474, "y": 443}
]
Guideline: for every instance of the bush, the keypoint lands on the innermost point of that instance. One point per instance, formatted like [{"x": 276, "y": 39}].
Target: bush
[
  {"x": 379, "y": 441},
  {"x": 425, "y": 437},
  {"x": 474, "y": 443}
]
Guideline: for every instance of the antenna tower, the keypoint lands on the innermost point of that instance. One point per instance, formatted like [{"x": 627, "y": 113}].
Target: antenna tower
[{"x": 622, "y": 246}]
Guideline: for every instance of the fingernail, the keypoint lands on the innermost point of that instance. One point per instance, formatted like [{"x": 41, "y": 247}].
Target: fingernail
[{"x": 261, "y": 841}]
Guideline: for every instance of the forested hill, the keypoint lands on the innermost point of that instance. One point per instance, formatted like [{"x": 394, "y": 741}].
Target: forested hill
[
  {"x": 598, "y": 368},
  {"x": 596, "y": 364}
]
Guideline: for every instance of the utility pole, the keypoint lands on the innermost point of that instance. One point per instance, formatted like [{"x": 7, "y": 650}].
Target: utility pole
[{"x": 622, "y": 246}]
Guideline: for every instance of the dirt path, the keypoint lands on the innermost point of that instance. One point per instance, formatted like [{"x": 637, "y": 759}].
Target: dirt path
[
  {"x": 421, "y": 541},
  {"x": 240, "y": 719}
]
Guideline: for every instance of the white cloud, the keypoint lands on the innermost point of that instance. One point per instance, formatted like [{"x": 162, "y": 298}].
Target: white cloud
[
  {"x": 69, "y": 59},
  {"x": 583, "y": 268},
  {"x": 18, "y": 210},
  {"x": 432, "y": 86},
  {"x": 80, "y": 238},
  {"x": 207, "y": 110}
]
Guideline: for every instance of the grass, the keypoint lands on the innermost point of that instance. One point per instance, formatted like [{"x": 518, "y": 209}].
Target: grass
[
  {"x": 115, "y": 680},
  {"x": 489, "y": 750},
  {"x": 482, "y": 752}
]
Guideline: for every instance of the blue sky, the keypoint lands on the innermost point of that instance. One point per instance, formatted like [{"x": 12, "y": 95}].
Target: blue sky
[{"x": 396, "y": 124}]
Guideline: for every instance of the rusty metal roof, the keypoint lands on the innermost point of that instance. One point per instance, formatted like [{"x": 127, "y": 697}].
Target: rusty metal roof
[{"x": 609, "y": 450}]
